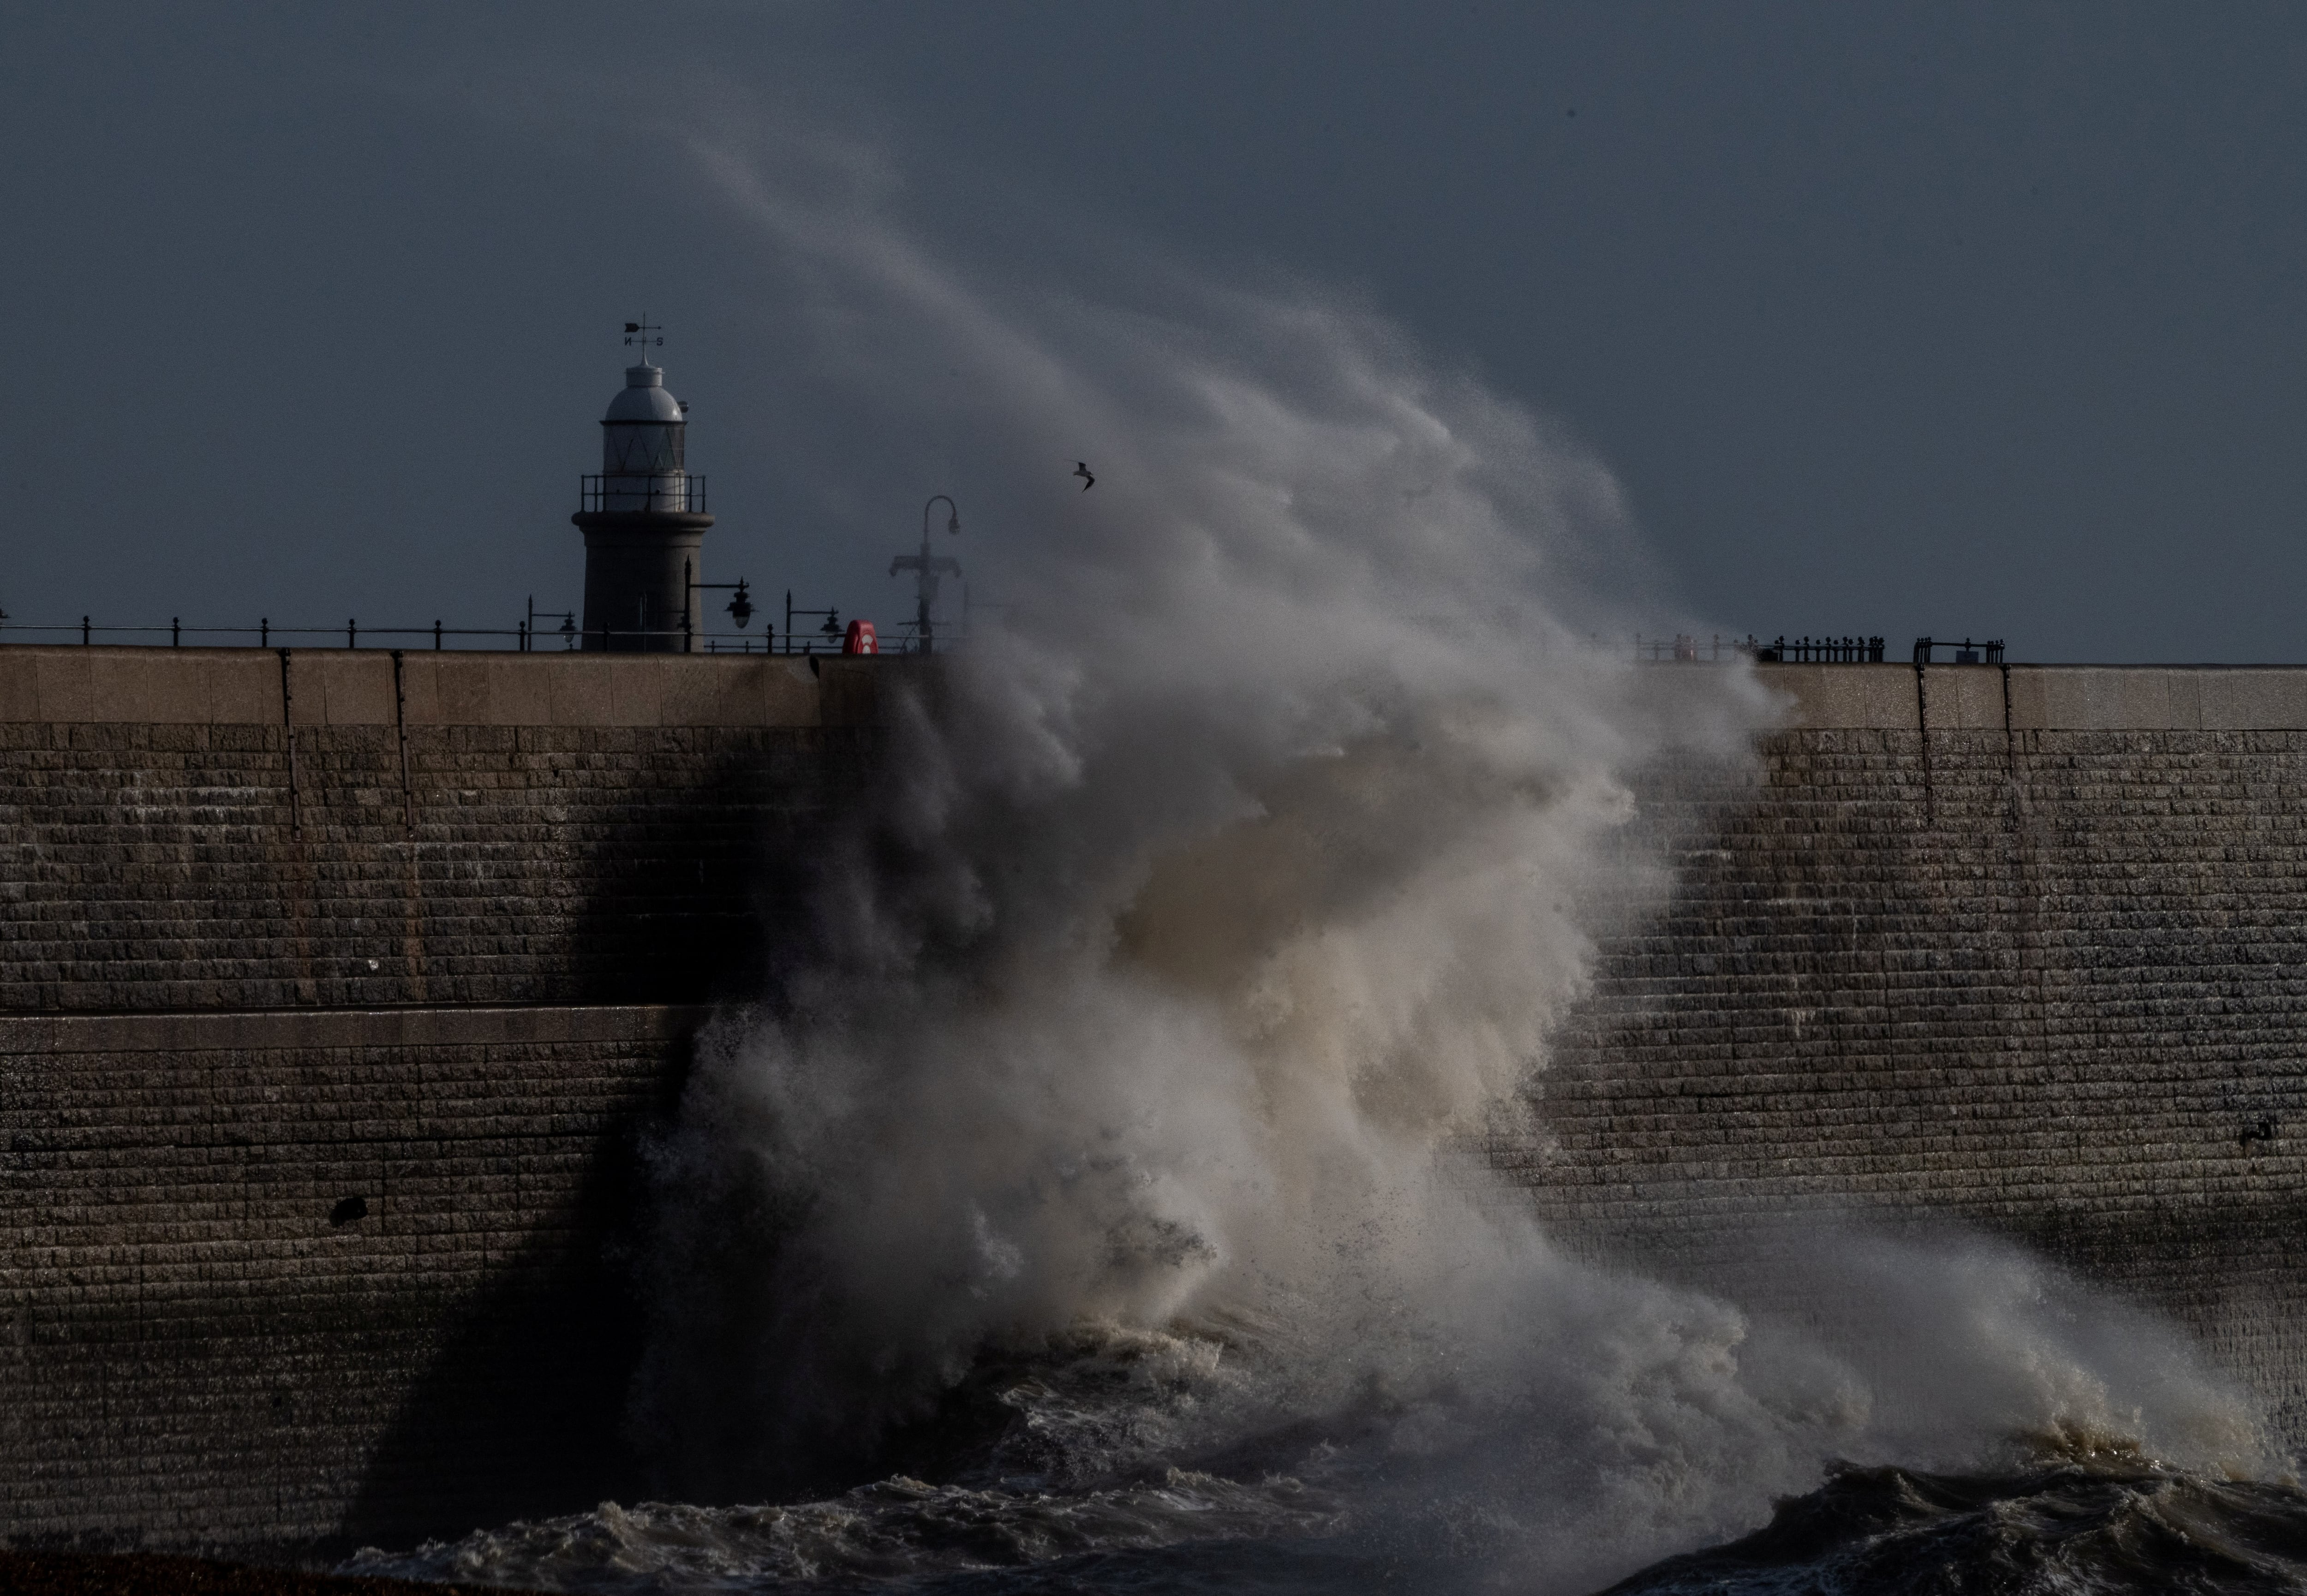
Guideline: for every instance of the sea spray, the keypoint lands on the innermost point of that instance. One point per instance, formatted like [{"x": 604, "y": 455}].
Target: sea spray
[
  {"x": 1201, "y": 901},
  {"x": 1085, "y": 1157}
]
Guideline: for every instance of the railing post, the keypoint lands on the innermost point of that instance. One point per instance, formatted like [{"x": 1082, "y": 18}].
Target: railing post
[
  {"x": 264, "y": 632},
  {"x": 83, "y": 631},
  {"x": 352, "y": 633},
  {"x": 436, "y": 627},
  {"x": 176, "y": 631}
]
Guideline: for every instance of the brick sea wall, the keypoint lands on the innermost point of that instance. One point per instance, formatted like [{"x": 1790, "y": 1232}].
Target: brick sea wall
[
  {"x": 2049, "y": 982},
  {"x": 336, "y": 990},
  {"x": 357, "y": 830},
  {"x": 296, "y": 1278}
]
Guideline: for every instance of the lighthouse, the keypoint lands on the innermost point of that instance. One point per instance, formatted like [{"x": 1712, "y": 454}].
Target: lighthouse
[{"x": 644, "y": 521}]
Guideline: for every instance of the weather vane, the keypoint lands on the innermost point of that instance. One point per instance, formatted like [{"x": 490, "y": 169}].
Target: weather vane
[{"x": 638, "y": 332}]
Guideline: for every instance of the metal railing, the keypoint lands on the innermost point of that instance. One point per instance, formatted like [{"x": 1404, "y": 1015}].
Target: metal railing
[
  {"x": 1817, "y": 651},
  {"x": 636, "y": 491},
  {"x": 680, "y": 641},
  {"x": 1966, "y": 653},
  {"x": 522, "y": 637},
  {"x": 1822, "y": 650},
  {"x": 262, "y": 634},
  {"x": 1807, "y": 650}
]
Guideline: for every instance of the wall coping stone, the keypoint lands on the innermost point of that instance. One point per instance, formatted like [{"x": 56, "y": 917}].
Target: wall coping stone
[
  {"x": 67, "y": 684},
  {"x": 2043, "y": 697}
]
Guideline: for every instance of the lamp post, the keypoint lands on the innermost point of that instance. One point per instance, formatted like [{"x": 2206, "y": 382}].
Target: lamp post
[
  {"x": 528, "y": 630},
  {"x": 927, "y": 567},
  {"x": 740, "y": 608}
]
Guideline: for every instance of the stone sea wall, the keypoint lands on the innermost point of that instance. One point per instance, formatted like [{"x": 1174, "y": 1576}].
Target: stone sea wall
[
  {"x": 336, "y": 992},
  {"x": 290, "y": 1277},
  {"x": 237, "y": 828},
  {"x": 339, "y": 990},
  {"x": 2025, "y": 950}
]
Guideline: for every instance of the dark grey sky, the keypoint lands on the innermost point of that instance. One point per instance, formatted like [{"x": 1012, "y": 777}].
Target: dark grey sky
[{"x": 1894, "y": 319}]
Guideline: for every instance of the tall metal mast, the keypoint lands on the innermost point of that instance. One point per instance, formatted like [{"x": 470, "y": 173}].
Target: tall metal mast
[{"x": 927, "y": 567}]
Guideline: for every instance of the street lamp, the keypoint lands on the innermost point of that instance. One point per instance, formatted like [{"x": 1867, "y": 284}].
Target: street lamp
[
  {"x": 528, "y": 631},
  {"x": 928, "y": 568},
  {"x": 740, "y": 608}
]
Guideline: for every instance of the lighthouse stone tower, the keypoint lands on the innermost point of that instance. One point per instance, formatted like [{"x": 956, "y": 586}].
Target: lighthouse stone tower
[{"x": 644, "y": 521}]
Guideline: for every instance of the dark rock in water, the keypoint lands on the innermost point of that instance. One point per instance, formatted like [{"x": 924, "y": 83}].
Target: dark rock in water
[{"x": 1887, "y": 1531}]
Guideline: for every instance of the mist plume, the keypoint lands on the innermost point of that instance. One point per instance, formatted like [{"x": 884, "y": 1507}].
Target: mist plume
[{"x": 1202, "y": 903}]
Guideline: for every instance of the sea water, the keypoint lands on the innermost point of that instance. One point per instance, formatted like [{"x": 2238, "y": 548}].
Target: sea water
[{"x": 1334, "y": 1507}]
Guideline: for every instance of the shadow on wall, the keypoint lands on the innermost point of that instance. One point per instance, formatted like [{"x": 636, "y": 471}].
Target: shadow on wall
[
  {"x": 698, "y": 891},
  {"x": 523, "y": 1410}
]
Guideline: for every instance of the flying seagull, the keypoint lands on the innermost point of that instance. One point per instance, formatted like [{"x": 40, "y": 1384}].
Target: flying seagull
[{"x": 1081, "y": 469}]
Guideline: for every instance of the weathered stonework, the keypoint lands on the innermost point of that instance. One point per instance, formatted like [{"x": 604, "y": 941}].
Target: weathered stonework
[
  {"x": 291, "y": 1276},
  {"x": 336, "y": 992},
  {"x": 2024, "y": 949},
  {"x": 399, "y": 847},
  {"x": 2048, "y": 982}
]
